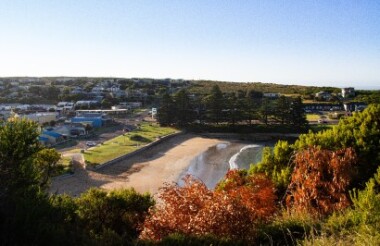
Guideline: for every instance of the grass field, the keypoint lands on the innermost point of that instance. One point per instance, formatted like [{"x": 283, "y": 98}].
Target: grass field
[
  {"x": 63, "y": 166},
  {"x": 124, "y": 144},
  {"x": 312, "y": 117}
]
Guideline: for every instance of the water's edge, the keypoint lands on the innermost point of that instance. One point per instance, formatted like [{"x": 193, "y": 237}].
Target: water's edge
[{"x": 213, "y": 164}]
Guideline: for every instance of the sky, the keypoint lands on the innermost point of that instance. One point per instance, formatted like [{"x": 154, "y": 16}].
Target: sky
[{"x": 307, "y": 42}]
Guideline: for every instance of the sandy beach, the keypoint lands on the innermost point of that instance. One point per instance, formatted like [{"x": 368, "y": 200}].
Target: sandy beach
[{"x": 147, "y": 172}]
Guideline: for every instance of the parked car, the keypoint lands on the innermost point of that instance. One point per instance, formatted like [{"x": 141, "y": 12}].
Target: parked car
[
  {"x": 90, "y": 143},
  {"x": 323, "y": 121}
]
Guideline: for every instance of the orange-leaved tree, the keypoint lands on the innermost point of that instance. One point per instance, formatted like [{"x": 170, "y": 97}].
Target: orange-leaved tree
[
  {"x": 319, "y": 183},
  {"x": 229, "y": 211}
]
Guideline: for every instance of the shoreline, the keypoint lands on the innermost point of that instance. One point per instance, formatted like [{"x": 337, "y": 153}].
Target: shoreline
[
  {"x": 162, "y": 163},
  {"x": 145, "y": 172}
]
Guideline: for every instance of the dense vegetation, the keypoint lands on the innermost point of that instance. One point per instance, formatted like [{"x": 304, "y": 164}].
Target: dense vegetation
[
  {"x": 323, "y": 189},
  {"x": 204, "y": 86},
  {"x": 230, "y": 110},
  {"x": 29, "y": 216}
]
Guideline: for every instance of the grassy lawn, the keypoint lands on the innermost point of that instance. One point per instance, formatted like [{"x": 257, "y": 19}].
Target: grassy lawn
[
  {"x": 124, "y": 144},
  {"x": 320, "y": 127},
  {"x": 312, "y": 117},
  {"x": 64, "y": 164}
]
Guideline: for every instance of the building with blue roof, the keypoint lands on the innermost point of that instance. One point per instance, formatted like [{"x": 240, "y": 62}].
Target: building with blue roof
[{"x": 95, "y": 119}]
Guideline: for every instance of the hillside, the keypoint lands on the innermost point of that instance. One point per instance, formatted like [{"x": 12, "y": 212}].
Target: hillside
[{"x": 204, "y": 86}]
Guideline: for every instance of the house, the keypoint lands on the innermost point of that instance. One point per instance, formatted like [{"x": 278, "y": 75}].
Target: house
[
  {"x": 95, "y": 119},
  {"x": 354, "y": 106},
  {"x": 75, "y": 129},
  {"x": 271, "y": 95},
  {"x": 118, "y": 94},
  {"x": 323, "y": 95},
  {"x": 65, "y": 106},
  {"x": 42, "y": 118},
  {"x": 51, "y": 137},
  {"x": 133, "y": 105},
  {"x": 310, "y": 107},
  {"x": 114, "y": 88},
  {"x": 44, "y": 140},
  {"x": 86, "y": 104},
  {"x": 78, "y": 90},
  {"x": 348, "y": 92},
  {"x": 97, "y": 90}
]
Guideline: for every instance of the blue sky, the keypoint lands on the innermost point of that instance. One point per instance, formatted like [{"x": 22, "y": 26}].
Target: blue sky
[{"x": 310, "y": 42}]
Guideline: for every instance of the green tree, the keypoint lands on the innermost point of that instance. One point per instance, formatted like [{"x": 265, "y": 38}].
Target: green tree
[
  {"x": 297, "y": 114},
  {"x": 282, "y": 110},
  {"x": 51, "y": 93},
  {"x": 106, "y": 103},
  {"x": 166, "y": 112},
  {"x": 18, "y": 148},
  {"x": 25, "y": 167},
  {"x": 276, "y": 163},
  {"x": 361, "y": 132},
  {"x": 252, "y": 105},
  {"x": 118, "y": 212},
  {"x": 215, "y": 104},
  {"x": 184, "y": 109},
  {"x": 266, "y": 110}
]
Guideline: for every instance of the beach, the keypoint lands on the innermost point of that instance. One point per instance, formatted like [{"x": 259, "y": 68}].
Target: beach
[{"x": 146, "y": 172}]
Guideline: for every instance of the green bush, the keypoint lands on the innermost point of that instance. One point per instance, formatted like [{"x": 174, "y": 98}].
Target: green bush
[
  {"x": 139, "y": 138},
  {"x": 286, "y": 229},
  {"x": 276, "y": 164}
]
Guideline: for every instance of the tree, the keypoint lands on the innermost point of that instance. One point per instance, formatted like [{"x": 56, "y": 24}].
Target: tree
[
  {"x": 277, "y": 165},
  {"x": 25, "y": 168},
  {"x": 215, "y": 104},
  {"x": 361, "y": 132},
  {"x": 297, "y": 113},
  {"x": 282, "y": 110},
  {"x": 166, "y": 112},
  {"x": 51, "y": 92},
  {"x": 120, "y": 212},
  {"x": 252, "y": 105},
  {"x": 106, "y": 103},
  {"x": 184, "y": 110},
  {"x": 18, "y": 147},
  {"x": 266, "y": 110}
]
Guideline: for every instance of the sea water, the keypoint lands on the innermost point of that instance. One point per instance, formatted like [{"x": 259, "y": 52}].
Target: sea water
[{"x": 212, "y": 165}]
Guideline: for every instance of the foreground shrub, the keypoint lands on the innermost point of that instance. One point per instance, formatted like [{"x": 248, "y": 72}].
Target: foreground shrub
[
  {"x": 287, "y": 229},
  {"x": 117, "y": 212},
  {"x": 276, "y": 164},
  {"x": 231, "y": 211},
  {"x": 320, "y": 180},
  {"x": 358, "y": 224}
]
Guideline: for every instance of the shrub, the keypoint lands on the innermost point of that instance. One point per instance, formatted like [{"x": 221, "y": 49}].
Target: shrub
[
  {"x": 231, "y": 211},
  {"x": 320, "y": 180}
]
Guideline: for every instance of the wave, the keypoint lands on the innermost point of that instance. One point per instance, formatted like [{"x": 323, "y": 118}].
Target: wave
[
  {"x": 247, "y": 155},
  {"x": 212, "y": 165}
]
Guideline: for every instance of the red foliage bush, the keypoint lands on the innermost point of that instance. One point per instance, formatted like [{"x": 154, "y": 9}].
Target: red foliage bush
[
  {"x": 230, "y": 211},
  {"x": 320, "y": 180}
]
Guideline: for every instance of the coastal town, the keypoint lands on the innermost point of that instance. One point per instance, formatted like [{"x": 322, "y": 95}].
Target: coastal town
[
  {"x": 67, "y": 108},
  {"x": 191, "y": 123}
]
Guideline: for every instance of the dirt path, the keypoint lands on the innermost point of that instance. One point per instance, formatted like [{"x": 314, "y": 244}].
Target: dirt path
[{"x": 146, "y": 172}]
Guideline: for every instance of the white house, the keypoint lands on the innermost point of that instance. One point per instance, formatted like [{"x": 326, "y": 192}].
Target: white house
[
  {"x": 65, "y": 106},
  {"x": 348, "y": 92}
]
